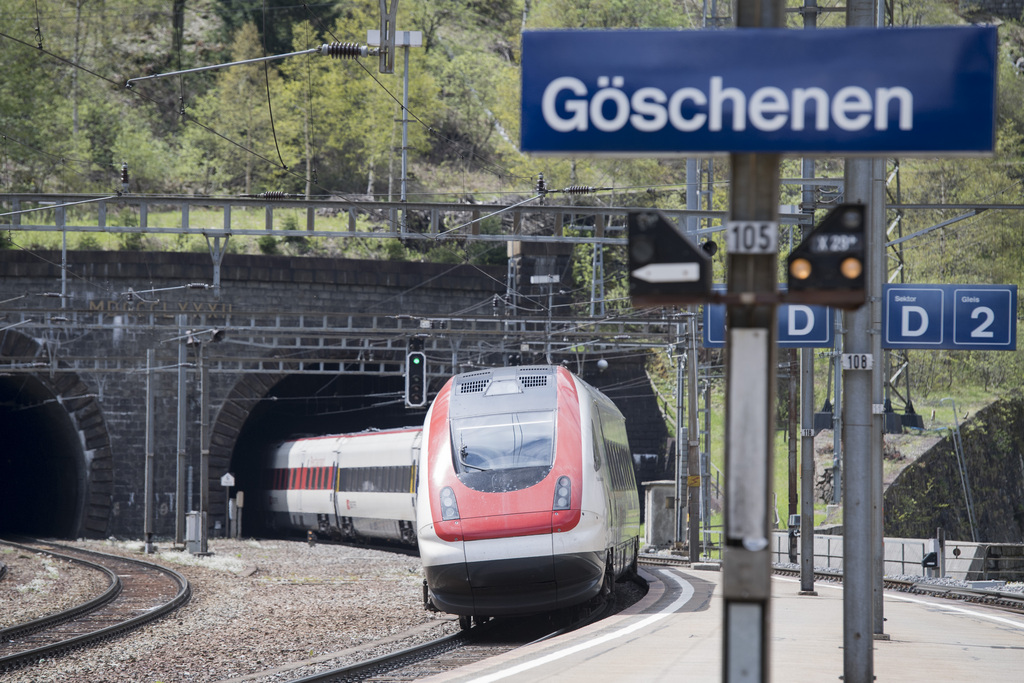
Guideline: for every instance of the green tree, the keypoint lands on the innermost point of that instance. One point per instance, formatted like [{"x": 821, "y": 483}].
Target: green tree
[
  {"x": 235, "y": 118},
  {"x": 608, "y": 14}
]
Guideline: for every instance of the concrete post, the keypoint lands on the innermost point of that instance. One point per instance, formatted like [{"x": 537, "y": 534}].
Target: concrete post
[
  {"x": 858, "y": 499},
  {"x": 750, "y": 405},
  {"x": 148, "y": 506},
  {"x": 180, "y": 502}
]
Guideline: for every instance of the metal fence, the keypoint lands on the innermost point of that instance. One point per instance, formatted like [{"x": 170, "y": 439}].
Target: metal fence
[{"x": 963, "y": 560}]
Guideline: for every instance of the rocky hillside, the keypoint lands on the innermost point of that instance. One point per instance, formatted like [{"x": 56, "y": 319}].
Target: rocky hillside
[{"x": 929, "y": 494}]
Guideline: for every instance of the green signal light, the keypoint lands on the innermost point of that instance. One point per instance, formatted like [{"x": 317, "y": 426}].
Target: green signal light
[{"x": 416, "y": 360}]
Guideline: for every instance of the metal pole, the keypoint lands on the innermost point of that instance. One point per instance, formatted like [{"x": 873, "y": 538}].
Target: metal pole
[
  {"x": 875, "y": 282},
  {"x": 681, "y": 436},
  {"x": 807, "y": 387},
  {"x": 204, "y": 451},
  {"x": 148, "y": 506},
  {"x": 750, "y": 403},
  {"x": 837, "y": 412},
  {"x": 181, "y": 505},
  {"x": 405, "y": 127},
  {"x": 62, "y": 219},
  {"x": 322, "y": 50},
  {"x": 705, "y": 470},
  {"x": 858, "y": 536},
  {"x": 693, "y": 444},
  {"x": 692, "y": 194},
  {"x": 794, "y": 428},
  {"x": 807, "y": 472}
]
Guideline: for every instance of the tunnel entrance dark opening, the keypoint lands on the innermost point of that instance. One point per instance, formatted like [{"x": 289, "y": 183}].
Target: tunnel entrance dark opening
[
  {"x": 42, "y": 463},
  {"x": 312, "y": 405}
]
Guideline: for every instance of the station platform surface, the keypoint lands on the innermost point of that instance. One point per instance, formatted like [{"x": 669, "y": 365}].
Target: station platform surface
[{"x": 675, "y": 634}]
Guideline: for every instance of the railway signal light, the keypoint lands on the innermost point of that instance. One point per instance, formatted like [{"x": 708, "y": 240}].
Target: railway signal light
[
  {"x": 415, "y": 379},
  {"x": 828, "y": 266}
]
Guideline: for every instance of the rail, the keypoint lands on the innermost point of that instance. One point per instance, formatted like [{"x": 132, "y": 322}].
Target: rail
[{"x": 90, "y": 623}]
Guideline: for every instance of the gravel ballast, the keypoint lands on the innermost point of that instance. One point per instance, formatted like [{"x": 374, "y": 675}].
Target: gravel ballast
[{"x": 283, "y": 607}]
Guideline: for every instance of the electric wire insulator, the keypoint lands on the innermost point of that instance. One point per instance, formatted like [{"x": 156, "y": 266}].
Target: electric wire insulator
[
  {"x": 343, "y": 50},
  {"x": 274, "y": 194},
  {"x": 579, "y": 189},
  {"x": 542, "y": 187}
]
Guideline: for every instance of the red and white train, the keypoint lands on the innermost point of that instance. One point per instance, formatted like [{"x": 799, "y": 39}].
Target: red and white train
[
  {"x": 519, "y": 489},
  {"x": 347, "y": 486},
  {"x": 527, "y": 500}
]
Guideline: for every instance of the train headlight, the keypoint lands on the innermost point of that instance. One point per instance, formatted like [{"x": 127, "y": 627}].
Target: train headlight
[
  {"x": 449, "y": 508},
  {"x": 563, "y": 494}
]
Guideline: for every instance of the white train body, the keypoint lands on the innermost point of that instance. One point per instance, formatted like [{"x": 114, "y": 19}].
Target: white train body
[
  {"x": 346, "y": 486},
  {"x": 527, "y": 500}
]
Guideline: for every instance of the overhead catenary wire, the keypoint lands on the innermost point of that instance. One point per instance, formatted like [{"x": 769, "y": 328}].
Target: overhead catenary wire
[{"x": 333, "y": 49}]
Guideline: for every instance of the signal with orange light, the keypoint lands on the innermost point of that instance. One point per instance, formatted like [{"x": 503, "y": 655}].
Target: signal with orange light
[{"x": 828, "y": 266}]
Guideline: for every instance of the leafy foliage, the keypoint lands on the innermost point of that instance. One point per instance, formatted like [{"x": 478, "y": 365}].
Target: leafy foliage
[{"x": 333, "y": 126}]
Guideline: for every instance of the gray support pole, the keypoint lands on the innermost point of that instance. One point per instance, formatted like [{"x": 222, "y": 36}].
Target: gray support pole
[
  {"x": 180, "y": 502},
  {"x": 858, "y": 539},
  {"x": 794, "y": 431},
  {"x": 204, "y": 452},
  {"x": 681, "y": 436},
  {"x": 693, "y": 444},
  {"x": 837, "y": 412},
  {"x": 405, "y": 129},
  {"x": 62, "y": 221},
  {"x": 807, "y": 472},
  {"x": 807, "y": 401},
  {"x": 858, "y": 536},
  {"x": 148, "y": 507},
  {"x": 692, "y": 194},
  {"x": 693, "y": 468},
  {"x": 877, "y": 274},
  {"x": 750, "y": 405}
]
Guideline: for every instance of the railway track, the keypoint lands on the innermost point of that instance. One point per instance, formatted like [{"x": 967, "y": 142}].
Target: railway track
[
  {"x": 1011, "y": 602},
  {"x": 482, "y": 641},
  {"x": 138, "y": 592}
]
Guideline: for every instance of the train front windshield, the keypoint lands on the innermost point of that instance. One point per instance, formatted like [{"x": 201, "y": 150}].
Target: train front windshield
[{"x": 491, "y": 443}]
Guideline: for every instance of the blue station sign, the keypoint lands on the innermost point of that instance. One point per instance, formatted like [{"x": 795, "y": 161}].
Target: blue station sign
[
  {"x": 969, "y": 317},
  {"x": 851, "y": 90},
  {"x": 798, "y": 326}
]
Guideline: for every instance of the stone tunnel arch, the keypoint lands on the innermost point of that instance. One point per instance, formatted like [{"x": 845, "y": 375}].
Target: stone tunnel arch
[
  {"x": 56, "y": 467},
  {"x": 256, "y": 413}
]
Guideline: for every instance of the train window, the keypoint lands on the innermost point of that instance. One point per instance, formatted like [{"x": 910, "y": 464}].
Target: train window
[
  {"x": 494, "y": 442},
  {"x": 598, "y": 448}
]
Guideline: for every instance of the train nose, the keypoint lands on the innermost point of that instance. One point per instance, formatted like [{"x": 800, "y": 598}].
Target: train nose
[{"x": 513, "y": 585}]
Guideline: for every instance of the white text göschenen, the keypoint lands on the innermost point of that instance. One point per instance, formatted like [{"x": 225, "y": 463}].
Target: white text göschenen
[{"x": 689, "y": 109}]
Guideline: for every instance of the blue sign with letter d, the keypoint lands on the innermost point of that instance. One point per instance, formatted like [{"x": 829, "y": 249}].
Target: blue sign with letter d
[{"x": 978, "y": 317}]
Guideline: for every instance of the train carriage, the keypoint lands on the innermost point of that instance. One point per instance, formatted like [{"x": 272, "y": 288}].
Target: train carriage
[
  {"x": 527, "y": 500},
  {"x": 346, "y": 486}
]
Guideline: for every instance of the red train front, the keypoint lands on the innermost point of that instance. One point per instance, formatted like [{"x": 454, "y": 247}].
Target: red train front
[{"x": 517, "y": 512}]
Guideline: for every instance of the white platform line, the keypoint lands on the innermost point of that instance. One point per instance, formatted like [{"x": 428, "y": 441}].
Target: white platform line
[
  {"x": 684, "y": 597},
  {"x": 1014, "y": 623}
]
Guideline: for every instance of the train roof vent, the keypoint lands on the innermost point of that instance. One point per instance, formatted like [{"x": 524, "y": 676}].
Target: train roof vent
[
  {"x": 529, "y": 381},
  {"x": 475, "y": 386}
]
